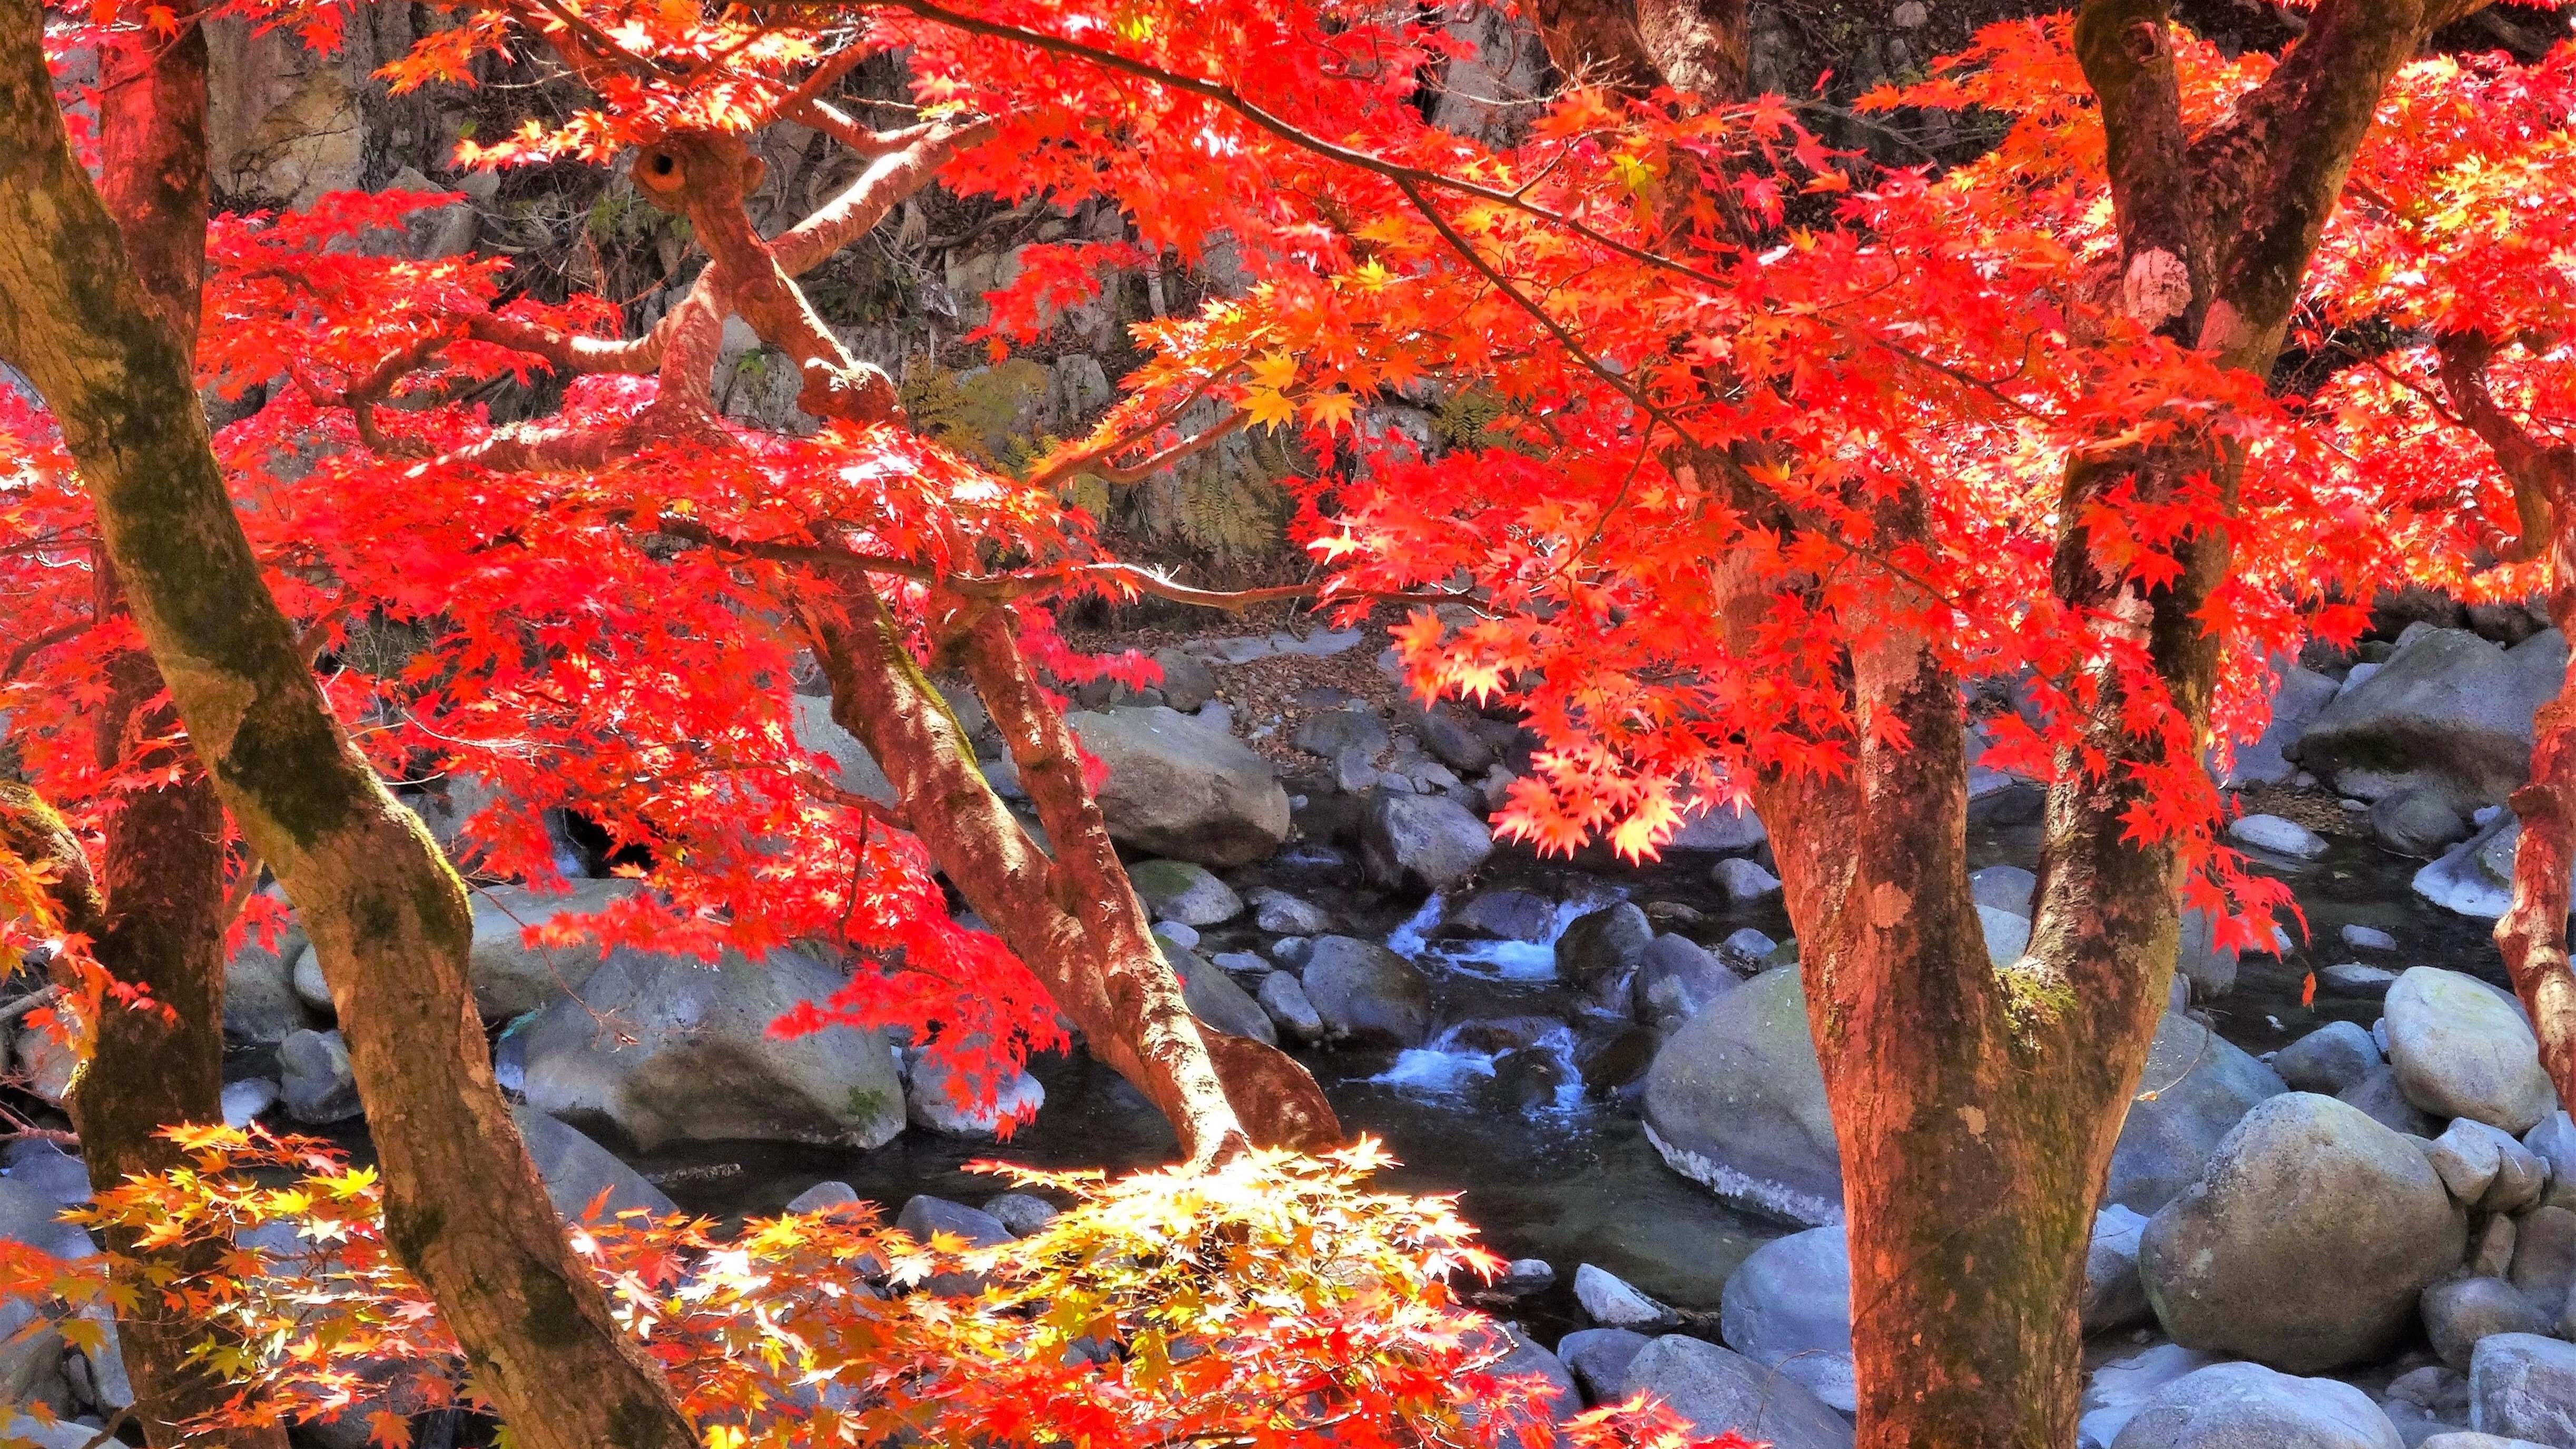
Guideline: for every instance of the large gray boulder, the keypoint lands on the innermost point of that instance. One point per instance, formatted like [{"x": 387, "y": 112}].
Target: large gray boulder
[
  {"x": 2306, "y": 1243},
  {"x": 2475, "y": 877},
  {"x": 1676, "y": 979},
  {"x": 1183, "y": 789},
  {"x": 1718, "y": 1390},
  {"x": 811, "y": 724},
  {"x": 1788, "y": 1307},
  {"x": 1599, "y": 953},
  {"x": 1735, "y": 1100},
  {"x": 1365, "y": 992},
  {"x": 2461, "y": 1049},
  {"x": 670, "y": 1049},
  {"x": 1421, "y": 843},
  {"x": 2196, "y": 1086},
  {"x": 2461, "y": 1313},
  {"x": 2447, "y": 704},
  {"x": 2247, "y": 1406},
  {"x": 577, "y": 1170},
  {"x": 511, "y": 977},
  {"x": 2295, "y": 703},
  {"x": 2327, "y": 1060},
  {"x": 1213, "y": 998},
  {"x": 1176, "y": 890},
  {"x": 2523, "y": 1386}
]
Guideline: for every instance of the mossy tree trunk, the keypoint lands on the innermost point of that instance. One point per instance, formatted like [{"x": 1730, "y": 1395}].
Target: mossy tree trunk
[{"x": 388, "y": 917}]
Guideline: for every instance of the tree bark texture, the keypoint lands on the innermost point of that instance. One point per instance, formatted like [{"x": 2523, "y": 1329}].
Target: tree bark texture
[
  {"x": 1073, "y": 918},
  {"x": 388, "y": 917}
]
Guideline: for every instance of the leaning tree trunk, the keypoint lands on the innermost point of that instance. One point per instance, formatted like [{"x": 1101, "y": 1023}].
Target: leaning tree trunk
[
  {"x": 1073, "y": 918},
  {"x": 161, "y": 866},
  {"x": 464, "y": 1209}
]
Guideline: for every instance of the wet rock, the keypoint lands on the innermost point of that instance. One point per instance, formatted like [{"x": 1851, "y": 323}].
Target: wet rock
[
  {"x": 2007, "y": 935},
  {"x": 1736, "y": 1101},
  {"x": 1330, "y": 732},
  {"x": 1600, "y": 952},
  {"x": 1614, "y": 1303},
  {"x": 939, "y": 1101},
  {"x": 1180, "y": 789},
  {"x": 2276, "y": 836},
  {"x": 2378, "y": 1097},
  {"x": 1522, "y": 1276},
  {"x": 2461, "y": 1311},
  {"x": 2005, "y": 887},
  {"x": 1788, "y": 1307},
  {"x": 1525, "y": 1079},
  {"x": 1527, "y": 1359},
  {"x": 1019, "y": 1212},
  {"x": 2471, "y": 1439},
  {"x": 2460, "y": 1049},
  {"x": 2114, "y": 1295},
  {"x": 1448, "y": 740},
  {"x": 1718, "y": 1390},
  {"x": 926, "y": 1217},
  {"x": 2307, "y": 1241},
  {"x": 2554, "y": 1143},
  {"x": 2447, "y": 703},
  {"x": 1677, "y": 979},
  {"x": 2327, "y": 1060},
  {"x": 318, "y": 1085},
  {"x": 1184, "y": 937},
  {"x": 1421, "y": 843},
  {"x": 1213, "y": 998},
  {"x": 2422, "y": 822},
  {"x": 2475, "y": 877},
  {"x": 2195, "y": 1088},
  {"x": 824, "y": 1197},
  {"x": 1744, "y": 880},
  {"x": 2248, "y": 1406},
  {"x": 2353, "y": 981},
  {"x": 2367, "y": 938},
  {"x": 1282, "y": 914},
  {"x": 245, "y": 1100},
  {"x": 670, "y": 1049},
  {"x": 1505, "y": 915},
  {"x": 38, "y": 1164},
  {"x": 2119, "y": 1389},
  {"x": 1176, "y": 890},
  {"x": 1599, "y": 1359},
  {"x": 1365, "y": 992},
  {"x": 512, "y": 978},
  {"x": 2523, "y": 1386},
  {"x": 1720, "y": 830},
  {"x": 576, "y": 1171},
  {"x": 1284, "y": 997},
  {"x": 1615, "y": 1064}
]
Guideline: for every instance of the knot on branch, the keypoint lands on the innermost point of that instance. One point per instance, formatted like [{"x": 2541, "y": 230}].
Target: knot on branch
[
  {"x": 683, "y": 171},
  {"x": 859, "y": 393}
]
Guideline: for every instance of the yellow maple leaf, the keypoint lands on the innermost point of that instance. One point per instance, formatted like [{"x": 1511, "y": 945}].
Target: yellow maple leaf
[
  {"x": 1332, "y": 409},
  {"x": 1274, "y": 370},
  {"x": 1267, "y": 408}
]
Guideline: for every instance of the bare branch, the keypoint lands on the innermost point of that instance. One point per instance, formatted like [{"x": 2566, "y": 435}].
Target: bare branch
[{"x": 61, "y": 633}]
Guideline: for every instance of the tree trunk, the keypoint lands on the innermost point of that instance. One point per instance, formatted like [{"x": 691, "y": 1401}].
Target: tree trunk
[
  {"x": 464, "y": 1209},
  {"x": 1073, "y": 919}
]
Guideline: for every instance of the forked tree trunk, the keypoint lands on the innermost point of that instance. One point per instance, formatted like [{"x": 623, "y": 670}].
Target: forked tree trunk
[
  {"x": 464, "y": 1209},
  {"x": 1073, "y": 918}
]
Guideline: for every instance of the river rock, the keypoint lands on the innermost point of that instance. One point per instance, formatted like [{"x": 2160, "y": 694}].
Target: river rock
[
  {"x": 2378, "y": 1097},
  {"x": 937, "y": 1101},
  {"x": 924, "y": 1217},
  {"x": 1600, "y": 952},
  {"x": 2006, "y": 888},
  {"x": 1328, "y": 732},
  {"x": 1284, "y": 997},
  {"x": 1787, "y": 1306},
  {"x": 670, "y": 1049},
  {"x": 2295, "y": 703},
  {"x": 577, "y": 1170},
  {"x": 245, "y": 1100},
  {"x": 2007, "y": 935},
  {"x": 311, "y": 987},
  {"x": 318, "y": 1084},
  {"x": 1421, "y": 843},
  {"x": 2523, "y": 1386},
  {"x": 261, "y": 1006},
  {"x": 824, "y": 1197},
  {"x": 1282, "y": 914},
  {"x": 2353, "y": 981},
  {"x": 1613, "y": 1302},
  {"x": 2196, "y": 1086},
  {"x": 1215, "y": 1000},
  {"x": 2447, "y": 704},
  {"x": 1504, "y": 915},
  {"x": 1744, "y": 880},
  {"x": 1020, "y": 1212},
  {"x": 1676, "y": 979},
  {"x": 2475, "y": 877},
  {"x": 2114, "y": 1295},
  {"x": 1181, "y": 789},
  {"x": 2248, "y": 1406},
  {"x": 2554, "y": 1143},
  {"x": 36, "y": 1163},
  {"x": 2460, "y": 1049},
  {"x": 2458, "y": 1312},
  {"x": 2306, "y": 1242},
  {"x": 2422, "y": 821},
  {"x": 38, "y": 1367},
  {"x": 1176, "y": 890},
  {"x": 1365, "y": 992},
  {"x": 2119, "y": 1389},
  {"x": 2367, "y": 938},
  {"x": 1599, "y": 1358},
  {"x": 2544, "y": 1256},
  {"x": 511, "y": 977},
  {"x": 855, "y": 770},
  {"x": 1187, "y": 683},
  {"x": 2471, "y": 1439},
  {"x": 1735, "y": 1100},
  {"x": 2327, "y": 1060},
  {"x": 2276, "y": 836},
  {"x": 1718, "y": 1390}
]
